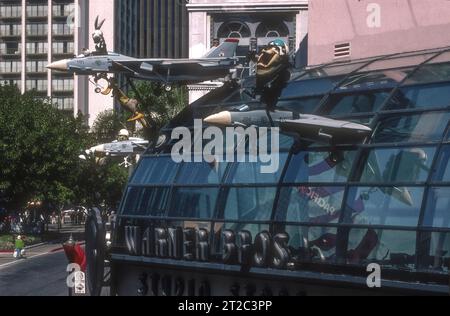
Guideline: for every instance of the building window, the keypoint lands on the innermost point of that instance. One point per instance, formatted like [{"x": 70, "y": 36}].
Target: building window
[
  {"x": 37, "y": 48},
  {"x": 62, "y": 29},
  {"x": 10, "y": 66},
  {"x": 10, "y": 30},
  {"x": 37, "y": 29},
  {"x": 37, "y": 10},
  {"x": 62, "y": 84},
  {"x": 272, "y": 29},
  {"x": 63, "y": 47},
  {"x": 39, "y": 85},
  {"x": 61, "y": 10},
  {"x": 234, "y": 30},
  {"x": 36, "y": 66},
  {"x": 10, "y": 11},
  {"x": 64, "y": 104}
]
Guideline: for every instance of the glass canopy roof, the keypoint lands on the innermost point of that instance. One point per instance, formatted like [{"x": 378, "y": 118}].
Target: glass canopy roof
[{"x": 386, "y": 200}]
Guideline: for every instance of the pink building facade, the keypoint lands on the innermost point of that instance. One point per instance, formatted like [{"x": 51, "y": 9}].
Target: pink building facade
[
  {"x": 351, "y": 29},
  {"x": 86, "y": 100}
]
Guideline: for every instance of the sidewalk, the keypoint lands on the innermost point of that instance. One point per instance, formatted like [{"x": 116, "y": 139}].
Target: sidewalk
[{"x": 55, "y": 245}]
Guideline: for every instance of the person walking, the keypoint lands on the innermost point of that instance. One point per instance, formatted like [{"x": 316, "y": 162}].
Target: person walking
[{"x": 19, "y": 247}]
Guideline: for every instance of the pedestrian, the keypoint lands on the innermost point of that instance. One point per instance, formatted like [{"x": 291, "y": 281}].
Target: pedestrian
[{"x": 19, "y": 247}]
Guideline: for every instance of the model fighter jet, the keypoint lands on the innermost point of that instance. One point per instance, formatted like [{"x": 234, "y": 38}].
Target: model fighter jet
[{"x": 216, "y": 64}]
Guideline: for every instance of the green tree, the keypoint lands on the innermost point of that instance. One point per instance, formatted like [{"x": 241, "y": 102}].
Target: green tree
[
  {"x": 39, "y": 149},
  {"x": 158, "y": 104},
  {"x": 107, "y": 126}
]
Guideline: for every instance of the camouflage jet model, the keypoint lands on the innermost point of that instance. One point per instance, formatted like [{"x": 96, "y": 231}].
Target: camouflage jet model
[
  {"x": 125, "y": 148},
  {"x": 308, "y": 127},
  {"x": 216, "y": 64}
]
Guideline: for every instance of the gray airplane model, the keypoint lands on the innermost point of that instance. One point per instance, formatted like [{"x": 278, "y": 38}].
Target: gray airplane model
[
  {"x": 308, "y": 127},
  {"x": 216, "y": 64},
  {"x": 126, "y": 150}
]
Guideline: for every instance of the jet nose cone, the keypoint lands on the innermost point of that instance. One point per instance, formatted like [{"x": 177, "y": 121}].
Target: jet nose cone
[
  {"x": 60, "y": 65},
  {"x": 222, "y": 118}
]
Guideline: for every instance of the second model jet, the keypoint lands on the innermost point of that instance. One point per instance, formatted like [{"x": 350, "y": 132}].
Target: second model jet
[{"x": 217, "y": 63}]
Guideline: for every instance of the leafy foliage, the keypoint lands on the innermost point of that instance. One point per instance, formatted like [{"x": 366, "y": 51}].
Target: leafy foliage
[
  {"x": 158, "y": 104},
  {"x": 39, "y": 149}
]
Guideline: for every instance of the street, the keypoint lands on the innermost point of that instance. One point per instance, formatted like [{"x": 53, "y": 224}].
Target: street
[{"x": 42, "y": 274}]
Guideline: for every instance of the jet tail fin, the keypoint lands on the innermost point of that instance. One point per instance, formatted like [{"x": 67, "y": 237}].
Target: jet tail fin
[{"x": 226, "y": 49}]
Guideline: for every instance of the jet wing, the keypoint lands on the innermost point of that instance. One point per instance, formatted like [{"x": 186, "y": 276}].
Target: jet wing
[{"x": 324, "y": 130}]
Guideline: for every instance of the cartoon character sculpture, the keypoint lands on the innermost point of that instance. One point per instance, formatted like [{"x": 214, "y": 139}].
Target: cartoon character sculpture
[{"x": 99, "y": 39}]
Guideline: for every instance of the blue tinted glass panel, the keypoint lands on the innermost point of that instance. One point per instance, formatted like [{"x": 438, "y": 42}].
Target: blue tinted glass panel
[
  {"x": 253, "y": 229},
  {"x": 398, "y": 165},
  {"x": 141, "y": 201},
  {"x": 442, "y": 171},
  {"x": 437, "y": 213},
  {"x": 194, "y": 203},
  {"x": 300, "y": 105},
  {"x": 437, "y": 256},
  {"x": 392, "y": 249},
  {"x": 312, "y": 244},
  {"x": 430, "y": 73},
  {"x": 320, "y": 205},
  {"x": 321, "y": 167},
  {"x": 431, "y": 96},
  {"x": 428, "y": 127},
  {"x": 362, "y": 102},
  {"x": 306, "y": 88},
  {"x": 201, "y": 173},
  {"x": 160, "y": 170},
  {"x": 375, "y": 79},
  {"x": 254, "y": 172},
  {"x": 391, "y": 206},
  {"x": 285, "y": 142},
  {"x": 250, "y": 204}
]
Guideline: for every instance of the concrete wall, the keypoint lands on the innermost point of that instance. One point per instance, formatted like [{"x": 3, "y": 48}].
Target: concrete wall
[
  {"x": 376, "y": 27},
  {"x": 86, "y": 100}
]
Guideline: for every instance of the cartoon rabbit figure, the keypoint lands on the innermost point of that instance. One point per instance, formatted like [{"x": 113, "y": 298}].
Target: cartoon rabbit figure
[{"x": 99, "y": 40}]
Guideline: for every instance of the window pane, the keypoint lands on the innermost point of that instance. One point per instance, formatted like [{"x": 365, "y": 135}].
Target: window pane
[
  {"x": 378, "y": 79},
  {"x": 146, "y": 201},
  {"x": 315, "y": 87},
  {"x": 250, "y": 204},
  {"x": 369, "y": 101},
  {"x": 434, "y": 95},
  {"x": 300, "y": 105},
  {"x": 321, "y": 167},
  {"x": 398, "y": 165},
  {"x": 430, "y": 73},
  {"x": 394, "y": 249},
  {"x": 155, "y": 171},
  {"x": 194, "y": 203},
  {"x": 391, "y": 206},
  {"x": 320, "y": 205},
  {"x": 201, "y": 173},
  {"x": 442, "y": 171},
  {"x": 252, "y": 172},
  {"x": 437, "y": 213},
  {"x": 437, "y": 257},
  {"x": 312, "y": 244},
  {"x": 411, "y": 128},
  {"x": 219, "y": 228}
]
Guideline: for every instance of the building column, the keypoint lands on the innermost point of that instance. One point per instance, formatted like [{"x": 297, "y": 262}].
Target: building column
[
  {"x": 24, "y": 48},
  {"x": 50, "y": 48}
]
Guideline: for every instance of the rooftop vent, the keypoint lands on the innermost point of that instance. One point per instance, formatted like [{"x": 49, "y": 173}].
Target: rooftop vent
[{"x": 342, "y": 50}]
